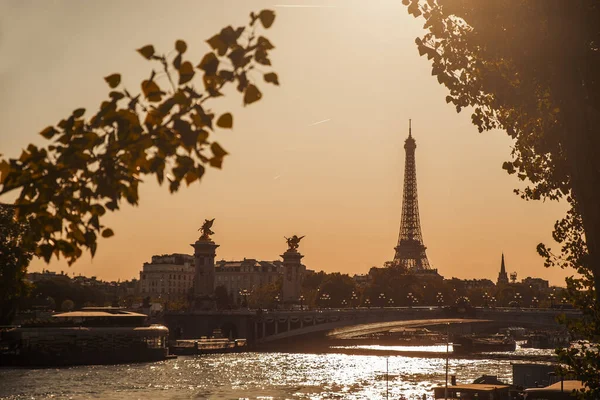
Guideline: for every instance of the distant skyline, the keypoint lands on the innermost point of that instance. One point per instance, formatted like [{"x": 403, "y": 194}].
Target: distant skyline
[{"x": 321, "y": 155}]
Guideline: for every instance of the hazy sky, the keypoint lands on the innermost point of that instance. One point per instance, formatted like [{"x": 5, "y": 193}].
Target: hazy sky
[{"x": 351, "y": 65}]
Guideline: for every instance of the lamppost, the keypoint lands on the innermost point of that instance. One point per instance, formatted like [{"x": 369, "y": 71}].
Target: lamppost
[
  {"x": 325, "y": 299},
  {"x": 245, "y": 293},
  {"x": 277, "y": 300},
  {"x": 440, "y": 299},
  {"x": 534, "y": 302},
  {"x": 493, "y": 301},
  {"x": 301, "y": 299},
  {"x": 344, "y": 303},
  {"x": 563, "y": 302},
  {"x": 518, "y": 299},
  {"x": 382, "y": 299},
  {"x": 410, "y": 298},
  {"x": 368, "y": 303},
  {"x": 486, "y": 299},
  {"x": 391, "y": 302},
  {"x": 552, "y": 297},
  {"x": 354, "y": 299}
]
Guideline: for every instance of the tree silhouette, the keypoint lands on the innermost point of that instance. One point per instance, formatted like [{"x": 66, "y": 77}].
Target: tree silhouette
[
  {"x": 14, "y": 259},
  {"x": 532, "y": 68}
]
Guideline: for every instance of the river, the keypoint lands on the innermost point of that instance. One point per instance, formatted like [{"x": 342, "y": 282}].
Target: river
[{"x": 257, "y": 375}]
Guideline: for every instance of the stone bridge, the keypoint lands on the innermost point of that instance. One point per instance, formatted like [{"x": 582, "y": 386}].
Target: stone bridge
[{"x": 270, "y": 326}]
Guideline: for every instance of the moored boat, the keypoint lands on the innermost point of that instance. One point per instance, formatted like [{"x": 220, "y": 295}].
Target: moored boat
[
  {"x": 475, "y": 344},
  {"x": 207, "y": 346},
  {"x": 89, "y": 336},
  {"x": 204, "y": 345}
]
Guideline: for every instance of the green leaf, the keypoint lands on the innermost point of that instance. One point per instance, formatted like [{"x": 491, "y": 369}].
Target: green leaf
[
  {"x": 186, "y": 72},
  {"x": 225, "y": 121},
  {"x": 271, "y": 78},
  {"x": 78, "y": 113},
  {"x": 113, "y": 80},
  {"x": 49, "y": 132},
  {"x": 180, "y": 46},
  {"x": 107, "y": 233},
  {"x": 146, "y": 51},
  {"x": 251, "y": 94},
  {"x": 266, "y": 18}
]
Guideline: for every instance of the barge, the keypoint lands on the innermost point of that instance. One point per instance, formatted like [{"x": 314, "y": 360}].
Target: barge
[{"x": 89, "y": 336}]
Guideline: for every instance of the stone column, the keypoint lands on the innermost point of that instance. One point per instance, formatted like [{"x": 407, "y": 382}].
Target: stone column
[
  {"x": 293, "y": 275},
  {"x": 204, "y": 276}
]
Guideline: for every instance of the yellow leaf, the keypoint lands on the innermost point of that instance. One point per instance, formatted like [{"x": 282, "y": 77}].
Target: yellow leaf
[
  {"x": 190, "y": 177},
  {"x": 107, "y": 233},
  {"x": 4, "y": 170},
  {"x": 151, "y": 90},
  {"x": 251, "y": 94},
  {"x": 113, "y": 80},
  {"x": 49, "y": 132},
  {"x": 186, "y": 72},
  {"x": 146, "y": 51},
  {"x": 271, "y": 78},
  {"x": 209, "y": 63},
  {"x": 225, "y": 121},
  {"x": 180, "y": 46},
  {"x": 217, "y": 150},
  {"x": 266, "y": 18}
]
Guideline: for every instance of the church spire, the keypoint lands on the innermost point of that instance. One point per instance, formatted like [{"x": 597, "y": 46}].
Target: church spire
[{"x": 502, "y": 276}]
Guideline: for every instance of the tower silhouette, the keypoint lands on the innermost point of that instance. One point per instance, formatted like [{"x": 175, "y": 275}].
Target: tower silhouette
[
  {"x": 410, "y": 251},
  {"x": 502, "y": 276}
]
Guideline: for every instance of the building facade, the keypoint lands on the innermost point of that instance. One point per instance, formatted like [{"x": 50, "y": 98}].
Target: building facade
[
  {"x": 248, "y": 274},
  {"x": 172, "y": 276},
  {"x": 168, "y": 276},
  {"x": 536, "y": 283}
]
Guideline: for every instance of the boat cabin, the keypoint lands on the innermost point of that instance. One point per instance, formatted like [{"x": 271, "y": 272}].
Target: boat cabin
[{"x": 557, "y": 391}]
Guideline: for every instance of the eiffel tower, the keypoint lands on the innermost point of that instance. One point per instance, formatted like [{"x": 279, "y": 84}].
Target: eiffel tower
[{"x": 410, "y": 251}]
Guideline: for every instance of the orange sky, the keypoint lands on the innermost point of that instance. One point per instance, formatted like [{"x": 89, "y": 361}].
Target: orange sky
[{"x": 350, "y": 63}]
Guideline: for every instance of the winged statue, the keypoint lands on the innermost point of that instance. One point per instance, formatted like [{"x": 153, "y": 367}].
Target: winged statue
[
  {"x": 206, "y": 232},
  {"x": 293, "y": 241}
]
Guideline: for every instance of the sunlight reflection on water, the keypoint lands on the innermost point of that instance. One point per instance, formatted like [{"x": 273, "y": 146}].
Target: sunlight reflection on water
[
  {"x": 425, "y": 349},
  {"x": 251, "y": 376}
]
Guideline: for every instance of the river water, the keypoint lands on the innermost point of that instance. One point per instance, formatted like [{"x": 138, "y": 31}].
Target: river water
[{"x": 257, "y": 375}]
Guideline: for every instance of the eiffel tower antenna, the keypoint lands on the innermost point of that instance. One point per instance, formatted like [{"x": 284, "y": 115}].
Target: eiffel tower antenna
[{"x": 410, "y": 251}]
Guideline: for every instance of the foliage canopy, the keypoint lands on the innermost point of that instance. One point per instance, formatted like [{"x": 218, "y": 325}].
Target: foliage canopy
[{"x": 95, "y": 163}]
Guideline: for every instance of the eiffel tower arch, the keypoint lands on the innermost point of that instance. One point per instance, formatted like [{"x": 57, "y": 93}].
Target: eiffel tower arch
[{"x": 410, "y": 251}]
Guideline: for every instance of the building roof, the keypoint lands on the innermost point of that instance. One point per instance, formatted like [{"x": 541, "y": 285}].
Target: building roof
[
  {"x": 567, "y": 386},
  {"x": 97, "y": 314},
  {"x": 477, "y": 387}
]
